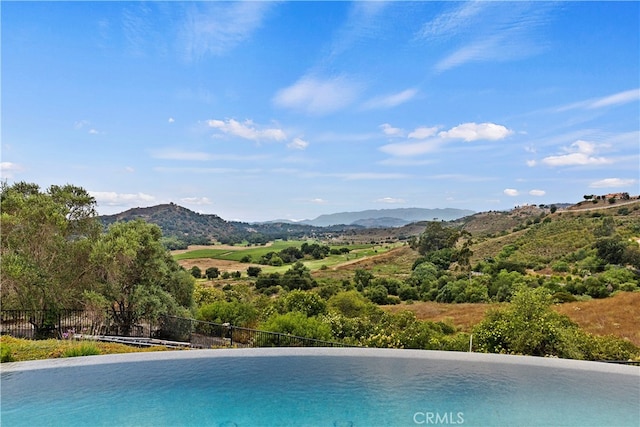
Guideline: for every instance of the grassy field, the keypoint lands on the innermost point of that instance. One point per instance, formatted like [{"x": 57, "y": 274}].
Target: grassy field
[
  {"x": 228, "y": 258},
  {"x": 617, "y": 315},
  {"x": 20, "y": 350}
]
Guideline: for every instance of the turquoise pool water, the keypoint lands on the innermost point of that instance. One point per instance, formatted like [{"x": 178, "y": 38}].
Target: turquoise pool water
[{"x": 318, "y": 387}]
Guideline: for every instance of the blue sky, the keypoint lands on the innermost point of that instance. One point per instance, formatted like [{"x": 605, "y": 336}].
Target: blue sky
[{"x": 264, "y": 110}]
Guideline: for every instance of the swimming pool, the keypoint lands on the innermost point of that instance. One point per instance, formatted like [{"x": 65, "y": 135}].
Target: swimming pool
[{"x": 317, "y": 387}]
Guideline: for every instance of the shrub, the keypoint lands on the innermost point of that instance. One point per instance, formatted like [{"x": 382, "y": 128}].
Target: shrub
[
  {"x": 296, "y": 323},
  {"x": 84, "y": 349},
  {"x": 235, "y": 312},
  {"x": 196, "y": 272},
  {"x": 308, "y": 303},
  {"x": 5, "y": 353}
]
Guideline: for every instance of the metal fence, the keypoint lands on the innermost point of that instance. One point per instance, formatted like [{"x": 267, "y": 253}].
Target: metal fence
[
  {"x": 207, "y": 334},
  {"x": 40, "y": 324}
]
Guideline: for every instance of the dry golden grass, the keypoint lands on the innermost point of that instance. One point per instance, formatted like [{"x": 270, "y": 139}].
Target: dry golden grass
[
  {"x": 462, "y": 316},
  {"x": 618, "y": 315}
]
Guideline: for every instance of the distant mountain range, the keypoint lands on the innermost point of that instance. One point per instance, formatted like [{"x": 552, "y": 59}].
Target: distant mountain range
[
  {"x": 183, "y": 226},
  {"x": 388, "y": 217}
]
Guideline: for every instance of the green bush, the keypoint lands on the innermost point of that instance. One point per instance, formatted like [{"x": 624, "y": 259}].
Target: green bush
[
  {"x": 84, "y": 349},
  {"x": 235, "y": 312},
  {"x": 5, "y": 353},
  {"x": 296, "y": 323}
]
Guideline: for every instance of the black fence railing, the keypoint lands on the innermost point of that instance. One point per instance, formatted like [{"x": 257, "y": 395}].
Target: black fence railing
[
  {"x": 207, "y": 334},
  {"x": 40, "y": 324}
]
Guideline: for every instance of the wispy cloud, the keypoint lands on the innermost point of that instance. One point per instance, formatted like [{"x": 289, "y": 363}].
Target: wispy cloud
[
  {"x": 318, "y": 96},
  {"x": 391, "y": 200},
  {"x": 298, "y": 144},
  {"x": 111, "y": 198},
  {"x": 217, "y": 27},
  {"x": 488, "y": 32},
  {"x": 363, "y": 21},
  {"x": 9, "y": 169},
  {"x": 423, "y": 132},
  {"x": 452, "y": 22},
  {"x": 511, "y": 192},
  {"x": 389, "y": 130},
  {"x": 613, "y": 183},
  {"x": 615, "y": 99},
  {"x": 247, "y": 130},
  {"x": 537, "y": 193},
  {"x": 196, "y": 201},
  {"x": 390, "y": 101},
  {"x": 580, "y": 153},
  {"x": 408, "y": 149},
  {"x": 174, "y": 154}
]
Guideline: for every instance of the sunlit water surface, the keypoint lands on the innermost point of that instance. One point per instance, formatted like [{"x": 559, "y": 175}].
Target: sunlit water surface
[{"x": 318, "y": 387}]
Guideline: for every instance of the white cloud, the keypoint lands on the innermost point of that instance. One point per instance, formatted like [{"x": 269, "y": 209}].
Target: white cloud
[
  {"x": 390, "y": 101},
  {"x": 404, "y": 149},
  {"x": 247, "y": 130},
  {"x": 512, "y": 192},
  {"x": 9, "y": 169},
  {"x": 356, "y": 176},
  {"x": 171, "y": 120},
  {"x": 81, "y": 124},
  {"x": 423, "y": 132},
  {"x": 612, "y": 183},
  {"x": 171, "y": 154},
  {"x": 619, "y": 98},
  {"x": 391, "y": 200},
  {"x": 616, "y": 99},
  {"x": 531, "y": 163},
  {"x": 198, "y": 201},
  {"x": 217, "y": 27},
  {"x": 298, "y": 144},
  {"x": 315, "y": 96},
  {"x": 318, "y": 201},
  {"x": 93, "y": 132},
  {"x": 363, "y": 21},
  {"x": 111, "y": 198},
  {"x": 580, "y": 153},
  {"x": 390, "y": 130},
  {"x": 451, "y": 23},
  {"x": 129, "y": 169},
  {"x": 487, "y": 31},
  {"x": 537, "y": 193},
  {"x": 475, "y": 131}
]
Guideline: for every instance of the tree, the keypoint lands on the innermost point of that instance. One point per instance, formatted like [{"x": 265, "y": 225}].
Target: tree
[
  {"x": 212, "y": 273},
  {"x": 137, "y": 276},
  {"x": 46, "y": 240},
  {"x": 527, "y": 326},
  {"x": 253, "y": 271},
  {"x": 298, "y": 277},
  {"x": 196, "y": 272},
  {"x": 308, "y": 303},
  {"x": 436, "y": 237},
  {"x": 362, "y": 278}
]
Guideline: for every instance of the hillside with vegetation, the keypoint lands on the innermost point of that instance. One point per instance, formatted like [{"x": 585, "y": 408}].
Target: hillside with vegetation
[{"x": 507, "y": 286}]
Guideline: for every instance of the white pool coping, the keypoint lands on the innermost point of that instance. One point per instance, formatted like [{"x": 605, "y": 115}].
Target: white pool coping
[{"x": 426, "y": 355}]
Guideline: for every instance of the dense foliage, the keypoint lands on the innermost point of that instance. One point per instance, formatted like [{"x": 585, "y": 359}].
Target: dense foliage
[{"x": 55, "y": 255}]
